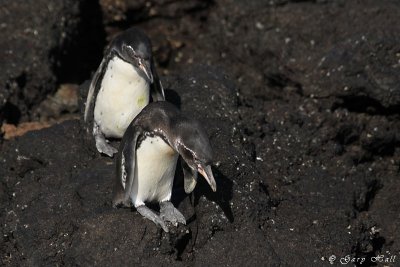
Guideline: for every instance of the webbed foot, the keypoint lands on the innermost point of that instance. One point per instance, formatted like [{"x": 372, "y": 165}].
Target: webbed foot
[
  {"x": 149, "y": 214},
  {"x": 101, "y": 142},
  {"x": 169, "y": 213},
  {"x": 105, "y": 148}
]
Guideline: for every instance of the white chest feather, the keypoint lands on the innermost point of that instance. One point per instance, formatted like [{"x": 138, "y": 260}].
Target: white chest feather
[
  {"x": 154, "y": 172},
  {"x": 123, "y": 94}
]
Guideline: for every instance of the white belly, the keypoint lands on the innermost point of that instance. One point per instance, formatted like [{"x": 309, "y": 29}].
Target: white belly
[
  {"x": 123, "y": 94},
  {"x": 154, "y": 172}
]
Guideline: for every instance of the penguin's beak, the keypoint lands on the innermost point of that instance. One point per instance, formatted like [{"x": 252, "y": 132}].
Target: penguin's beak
[
  {"x": 208, "y": 175},
  {"x": 146, "y": 68}
]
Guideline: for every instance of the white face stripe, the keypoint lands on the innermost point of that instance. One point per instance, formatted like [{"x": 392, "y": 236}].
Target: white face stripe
[
  {"x": 141, "y": 51},
  {"x": 133, "y": 53},
  {"x": 131, "y": 49},
  {"x": 123, "y": 171}
]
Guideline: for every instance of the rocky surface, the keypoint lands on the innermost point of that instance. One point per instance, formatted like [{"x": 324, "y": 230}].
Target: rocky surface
[
  {"x": 41, "y": 42},
  {"x": 301, "y": 101}
]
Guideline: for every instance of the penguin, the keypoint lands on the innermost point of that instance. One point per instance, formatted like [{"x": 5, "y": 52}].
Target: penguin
[
  {"x": 121, "y": 87},
  {"x": 147, "y": 160}
]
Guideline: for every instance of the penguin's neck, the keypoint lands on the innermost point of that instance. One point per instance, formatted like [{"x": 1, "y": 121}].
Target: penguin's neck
[{"x": 123, "y": 94}]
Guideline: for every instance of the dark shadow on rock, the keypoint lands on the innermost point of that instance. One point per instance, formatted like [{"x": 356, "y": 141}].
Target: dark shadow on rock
[
  {"x": 221, "y": 197},
  {"x": 83, "y": 52},
  {"x": 365, "y": 104},
  {"x": 178, "y": 191},
  {"x": 181, "y": 244},
  {"x": 173, "y": 97},
  {"x": 10, "y": 113}
]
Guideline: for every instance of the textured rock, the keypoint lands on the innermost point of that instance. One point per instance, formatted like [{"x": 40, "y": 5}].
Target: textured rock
[
  {"x": 28, "y": 47},
  {"x": 307, "y": 145},
  {"x": 40, "y": 40},
  {"x": 64, "y": 101},
  {"x": 60, "y": 196}
]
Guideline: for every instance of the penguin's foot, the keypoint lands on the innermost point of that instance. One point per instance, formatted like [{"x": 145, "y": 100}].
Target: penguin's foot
[
  {"x": 149, "y": 214},
  {"x": 105, "y": 148},
  {"x": 101, "y": 142},
  {"x": 169, "y": 213}
]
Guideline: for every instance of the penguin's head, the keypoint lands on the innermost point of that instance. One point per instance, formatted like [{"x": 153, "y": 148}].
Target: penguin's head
[
  {"x": 195, "y": 149},
  {"x": 134, "y": 47}
]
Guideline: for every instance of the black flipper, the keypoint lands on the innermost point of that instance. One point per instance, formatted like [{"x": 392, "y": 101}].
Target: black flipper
[
  {"x": 156, "y": 88},
  {"x": 125, "y": 164},
  {"x": 92, "y": 94}
]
